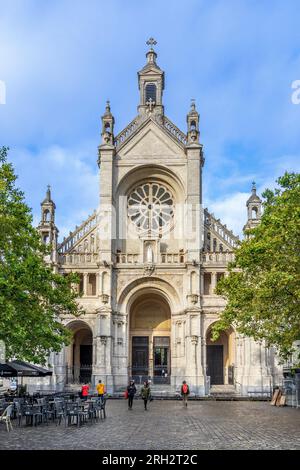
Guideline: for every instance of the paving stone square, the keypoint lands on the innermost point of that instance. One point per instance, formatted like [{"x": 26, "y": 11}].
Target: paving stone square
[{"x": 168, "y": 425}]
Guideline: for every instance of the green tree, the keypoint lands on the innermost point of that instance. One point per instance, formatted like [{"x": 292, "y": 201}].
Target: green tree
[
  {"x": 263, "y": 285},
  {"x": 33, "y": 299}
]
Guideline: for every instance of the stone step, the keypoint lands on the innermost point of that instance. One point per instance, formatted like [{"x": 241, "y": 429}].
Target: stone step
[{"x": 196, "y": 398}]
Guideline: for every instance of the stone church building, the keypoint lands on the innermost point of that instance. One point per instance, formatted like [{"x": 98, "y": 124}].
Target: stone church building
[{"x": 149, "y": 259}]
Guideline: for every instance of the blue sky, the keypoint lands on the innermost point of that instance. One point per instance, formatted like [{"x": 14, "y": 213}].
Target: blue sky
[{"x": 61, "y": 60}]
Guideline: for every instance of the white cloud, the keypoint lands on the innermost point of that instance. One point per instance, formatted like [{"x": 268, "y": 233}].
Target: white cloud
[
  {"x": 74, "y": 182},
  {"x": 231, "y": 210}
]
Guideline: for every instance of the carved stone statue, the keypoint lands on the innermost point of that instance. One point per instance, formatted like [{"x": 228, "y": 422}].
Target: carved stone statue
[{"x": 149, "y": 254}]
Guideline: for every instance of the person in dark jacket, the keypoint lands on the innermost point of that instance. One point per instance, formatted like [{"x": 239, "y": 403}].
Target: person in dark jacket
[
  {"x": 145, "y": 392},
  {"x": 131, "y": 391}
]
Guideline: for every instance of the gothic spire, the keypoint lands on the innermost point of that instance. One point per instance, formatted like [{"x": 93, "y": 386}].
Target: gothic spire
[
  {"x": 48, "y": 199},
  {"x": 151, "y": 83},
  {"x": 48, "y": 193}
]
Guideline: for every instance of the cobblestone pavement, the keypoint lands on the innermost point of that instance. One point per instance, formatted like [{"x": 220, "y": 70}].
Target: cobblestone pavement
[{"x": 168, "y": 425}]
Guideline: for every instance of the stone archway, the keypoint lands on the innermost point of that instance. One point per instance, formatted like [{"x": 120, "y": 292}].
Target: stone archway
[
  {"x": 220, "y": 357},
  {"x": 79, "y": 354},
  {"x": 150, "y": 338}
]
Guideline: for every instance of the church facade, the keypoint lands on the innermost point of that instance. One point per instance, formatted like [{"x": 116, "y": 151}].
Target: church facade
[{"x": 149, "y": 259}]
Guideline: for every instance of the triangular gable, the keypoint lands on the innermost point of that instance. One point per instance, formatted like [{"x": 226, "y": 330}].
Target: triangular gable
[{"x": 151, "y": 140}]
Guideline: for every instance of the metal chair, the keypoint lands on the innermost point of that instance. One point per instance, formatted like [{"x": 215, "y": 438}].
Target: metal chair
[
  {"x": 59, "y": 412},
  {"x": 5, "y": 417},
  {"x": 102, "y": 408},
  {"x": 18, "y": 411},
  {"x": 72, "y": 413}
]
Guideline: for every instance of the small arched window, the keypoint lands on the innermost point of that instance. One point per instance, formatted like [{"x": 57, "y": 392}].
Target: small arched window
[
  {"x": 254, "y": 213},
  {"x": 91, "y": 284},
  {"x": 46, "y": 239},
  {"x": 46, "y": 215},
  {"x": 151, "y": 92},
  {"x": 193, "y": 126}
]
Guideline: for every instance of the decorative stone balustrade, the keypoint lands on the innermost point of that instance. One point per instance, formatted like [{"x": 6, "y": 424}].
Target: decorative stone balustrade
[
  {"x": 125, "y": 133},
  {"x": 79, "y": 233},
  {"x": 127, "y": 258},
  {"x": 217, "y": 258},
  {"x": 172, "y": 258},
  {"x": 173, "y": 130},
  {"x": 79, "y": 258},
  {"x": 135, "y": 258},
  {"x": 220, "y": 229},
  {"x": 164, "y": 258}
]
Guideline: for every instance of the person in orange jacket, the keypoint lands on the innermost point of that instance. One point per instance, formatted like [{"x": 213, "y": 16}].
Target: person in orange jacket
[{"x": 100, "y": 390}]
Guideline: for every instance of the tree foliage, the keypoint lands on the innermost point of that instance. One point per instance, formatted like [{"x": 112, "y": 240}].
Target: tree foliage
[
  {"x": 263, "y": 286},
  {"x": 33, "y": 299}
]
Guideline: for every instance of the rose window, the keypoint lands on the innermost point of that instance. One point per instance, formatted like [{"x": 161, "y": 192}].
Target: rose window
[{"x": 151, "y": 207}]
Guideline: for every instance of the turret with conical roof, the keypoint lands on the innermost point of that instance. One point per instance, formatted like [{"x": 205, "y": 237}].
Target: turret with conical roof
[
  {"x": 193, "y": 124},
  {"x": 108, "y": 122}
]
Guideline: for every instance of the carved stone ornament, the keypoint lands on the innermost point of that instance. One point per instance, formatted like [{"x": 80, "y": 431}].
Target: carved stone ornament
[
  {"x": 104, "y": 298},
  {"x": 103, "y": 310},
  {"x": 103, "y": 340},
  {"x": 193, "y": 298},
  {"x": 149, "y": 269},
  {"x": 194, "y": 339}
]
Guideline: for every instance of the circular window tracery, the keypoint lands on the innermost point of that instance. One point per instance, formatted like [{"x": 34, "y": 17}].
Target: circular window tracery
[{"x": 151, "y": 207}]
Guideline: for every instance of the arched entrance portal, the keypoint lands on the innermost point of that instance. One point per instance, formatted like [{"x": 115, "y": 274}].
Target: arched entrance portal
[
  {"x": 79, "y": 354},
  {"x": 220, "y": 358},
  {"x": 149, "y": 342}
]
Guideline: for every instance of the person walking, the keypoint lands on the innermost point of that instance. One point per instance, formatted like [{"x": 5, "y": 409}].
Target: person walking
[
  {"x": 145, "y": 392},
  {"x": 85, "y": 391},
  {"x": 100, "y": 390},
  {"x": 131, "y": 391},
  {"x": 185, "y": 391}
]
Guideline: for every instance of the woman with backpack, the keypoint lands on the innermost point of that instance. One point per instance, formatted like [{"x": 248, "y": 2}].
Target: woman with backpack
[{"x": 185, "y": 391}]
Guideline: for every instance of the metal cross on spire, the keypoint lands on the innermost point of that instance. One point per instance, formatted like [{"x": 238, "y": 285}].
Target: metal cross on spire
[{"x": 151, "y": 42}]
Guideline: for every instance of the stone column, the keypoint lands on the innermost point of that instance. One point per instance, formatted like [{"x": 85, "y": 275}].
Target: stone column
[
  {"x": 194, "y": 367},
  {"x": 98, "y": 284},
  {"x": 201, "y": 282},
  {"x": 213, "y": 282},
  {"x": 85, "y": 283}
]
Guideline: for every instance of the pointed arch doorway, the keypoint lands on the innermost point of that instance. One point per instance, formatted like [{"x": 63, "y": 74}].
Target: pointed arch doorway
[{"x": 150, "y": 339}]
